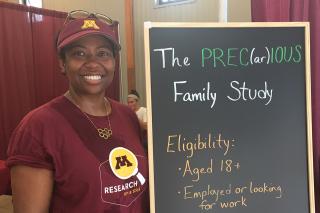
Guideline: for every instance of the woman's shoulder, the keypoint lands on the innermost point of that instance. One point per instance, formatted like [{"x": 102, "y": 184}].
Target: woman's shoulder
[
  {"x": 32, "y": 138},
  {"x": 142, "y": 109},
  {"x": 43, "y": 114}
]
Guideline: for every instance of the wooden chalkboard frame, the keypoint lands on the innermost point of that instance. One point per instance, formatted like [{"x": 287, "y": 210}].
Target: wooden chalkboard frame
[{"x": 150, "y": 25}]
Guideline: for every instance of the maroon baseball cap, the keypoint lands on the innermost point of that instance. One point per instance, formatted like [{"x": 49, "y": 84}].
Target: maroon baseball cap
[{"x": 78, "y": 28}]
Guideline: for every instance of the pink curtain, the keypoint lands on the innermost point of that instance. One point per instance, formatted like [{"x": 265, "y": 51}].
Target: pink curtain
[
  {"x": 29, "y": 72},
  {"x": 300, "y": 10}
]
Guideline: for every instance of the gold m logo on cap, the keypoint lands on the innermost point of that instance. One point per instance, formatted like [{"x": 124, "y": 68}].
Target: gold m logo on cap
[{"x": 89, "y": 24}]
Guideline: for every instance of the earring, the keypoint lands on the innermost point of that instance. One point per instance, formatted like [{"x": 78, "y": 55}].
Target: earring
[{"x": 63, "y": 70}]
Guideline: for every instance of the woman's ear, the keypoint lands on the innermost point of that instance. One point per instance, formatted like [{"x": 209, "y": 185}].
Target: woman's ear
[{"x": 62, "y": 66}]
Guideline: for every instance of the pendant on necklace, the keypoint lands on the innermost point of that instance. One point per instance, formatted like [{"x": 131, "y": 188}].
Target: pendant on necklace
[{"x": 104, "y": 133}]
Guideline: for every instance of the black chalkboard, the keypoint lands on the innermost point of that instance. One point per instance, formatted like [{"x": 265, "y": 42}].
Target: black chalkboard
[{"x": 229, "y": 117}]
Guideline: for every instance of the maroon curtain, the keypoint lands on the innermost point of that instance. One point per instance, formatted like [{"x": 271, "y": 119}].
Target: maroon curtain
[
  {"x": 298, "y": 10},
  {"x": 29, "y": 72}
]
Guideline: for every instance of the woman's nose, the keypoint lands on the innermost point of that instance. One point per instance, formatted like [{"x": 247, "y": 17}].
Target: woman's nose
[{"x": 91, "y": 61}]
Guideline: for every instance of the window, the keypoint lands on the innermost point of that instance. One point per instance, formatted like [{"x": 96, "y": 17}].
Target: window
[
  {"x": 33, "y": 3},
  {"x": 163, "y": 3}
]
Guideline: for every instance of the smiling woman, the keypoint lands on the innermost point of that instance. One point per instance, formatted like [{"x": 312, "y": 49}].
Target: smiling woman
[{"x": 61, "y": 149}]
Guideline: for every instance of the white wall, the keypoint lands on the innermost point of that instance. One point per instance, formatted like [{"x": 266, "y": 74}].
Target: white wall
[{"x": 239, "y": 10}]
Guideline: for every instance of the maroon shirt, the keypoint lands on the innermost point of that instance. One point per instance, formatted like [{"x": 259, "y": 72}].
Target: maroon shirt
[{"x": 59, "y": 137}]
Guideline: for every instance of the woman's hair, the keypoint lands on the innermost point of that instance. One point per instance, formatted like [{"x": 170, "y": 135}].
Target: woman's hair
[
  {"x": 62, "y": 52},
  {"x": 134, "y": 92}
]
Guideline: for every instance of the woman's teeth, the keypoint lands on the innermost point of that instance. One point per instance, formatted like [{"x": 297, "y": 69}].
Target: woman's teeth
[{"x": 92, "y": 77}]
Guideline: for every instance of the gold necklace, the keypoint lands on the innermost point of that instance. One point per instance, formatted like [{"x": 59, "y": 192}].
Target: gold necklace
[{"x": 104, "y": 133}]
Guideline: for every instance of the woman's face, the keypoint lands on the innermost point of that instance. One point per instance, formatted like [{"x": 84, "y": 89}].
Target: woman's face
[
  {"x": 132, "y": 103},
  {"x": 89, "y": 65}
]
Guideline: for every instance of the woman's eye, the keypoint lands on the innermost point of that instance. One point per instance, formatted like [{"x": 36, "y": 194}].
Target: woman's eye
[
  {"x": 105, "y": 54},
  {"x": 79, "y": 53}
]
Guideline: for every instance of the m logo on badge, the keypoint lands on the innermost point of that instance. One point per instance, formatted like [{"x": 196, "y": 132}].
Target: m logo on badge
[
  {"x": 122, "y": 161},
  {"x": 124, "y": 164}
]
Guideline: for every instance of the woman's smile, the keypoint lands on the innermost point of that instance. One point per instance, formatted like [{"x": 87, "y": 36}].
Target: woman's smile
[{"x": 93, "y": 78}]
